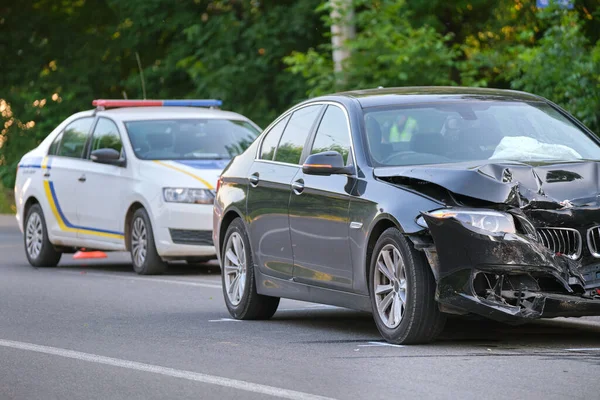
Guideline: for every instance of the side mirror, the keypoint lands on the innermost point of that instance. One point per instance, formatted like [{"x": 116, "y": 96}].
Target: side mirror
[
  {"x": 107, "y": 156},
  {"x": 326, "y": 163}
]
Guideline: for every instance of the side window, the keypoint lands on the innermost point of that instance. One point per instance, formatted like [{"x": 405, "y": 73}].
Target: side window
[
  {"x": 270, "y": 141},
  {"x": 295, "y": 134},
  {"x": 74, "y": 137},
  {"x": 55, "y": 144},
  {"x": 106, "y": 136},
  {"x": 333, "y": 133}
]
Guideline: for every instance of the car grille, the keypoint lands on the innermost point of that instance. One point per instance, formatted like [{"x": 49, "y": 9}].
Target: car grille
[
  {"x": 193, "y": 237},
  {"x": 593, "y": 240},
  {"x": 565, "y": 241}
]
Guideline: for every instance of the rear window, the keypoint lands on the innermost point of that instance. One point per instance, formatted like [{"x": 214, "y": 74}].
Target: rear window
[{"x": 190, "y": 139}]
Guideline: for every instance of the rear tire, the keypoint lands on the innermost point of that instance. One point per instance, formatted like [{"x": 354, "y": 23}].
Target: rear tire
[
  {"x": 40, "y": 252},
  {"x": 144, "y": 256},
  {"x": 402, "y": 289},
  {"x": 237, "y": 275}
]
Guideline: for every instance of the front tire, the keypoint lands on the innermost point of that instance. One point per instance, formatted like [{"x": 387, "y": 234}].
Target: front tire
[
  {"x": 402, "y": 289},
  {"x": 144, "y": 256},
  {"x": 40, "y": 252},
  {"x": 237, "y": 275}
]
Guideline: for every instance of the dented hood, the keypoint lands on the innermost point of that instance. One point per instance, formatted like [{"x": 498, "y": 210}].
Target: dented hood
[{"x": 531, "y": 185}]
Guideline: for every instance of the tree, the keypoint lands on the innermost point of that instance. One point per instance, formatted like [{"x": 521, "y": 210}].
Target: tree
[
  {"x": 387, "y": 51},
  {"x": 61, "y": 55}
]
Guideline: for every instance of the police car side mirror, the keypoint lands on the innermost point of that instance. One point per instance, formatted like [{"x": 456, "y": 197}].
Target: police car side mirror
[{"x": 107, "y": 156}]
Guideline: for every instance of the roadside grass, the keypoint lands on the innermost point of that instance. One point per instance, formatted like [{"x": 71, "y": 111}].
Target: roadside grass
[{"x": 7, "y": 205}]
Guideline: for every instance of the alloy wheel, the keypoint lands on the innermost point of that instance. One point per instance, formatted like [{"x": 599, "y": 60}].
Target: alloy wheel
[
  {"x": 34, "y": 236},
  {"x": 139, "y": 242},
  {"x": 390, "y": 286},
  {"x": 235, "y": 268}
]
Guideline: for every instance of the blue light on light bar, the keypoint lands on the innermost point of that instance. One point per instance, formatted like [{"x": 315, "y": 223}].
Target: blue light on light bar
[{"x": 193, "y": 103}]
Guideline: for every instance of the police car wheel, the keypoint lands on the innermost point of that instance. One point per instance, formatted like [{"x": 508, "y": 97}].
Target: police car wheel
[
  {"x": 237, "y": 274},
  {"x": 40, "y": 252},
  {"x": 146, "y": 260}
]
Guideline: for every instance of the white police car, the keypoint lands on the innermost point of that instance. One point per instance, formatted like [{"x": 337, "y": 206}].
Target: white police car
[{"x": 134, "y": 175}]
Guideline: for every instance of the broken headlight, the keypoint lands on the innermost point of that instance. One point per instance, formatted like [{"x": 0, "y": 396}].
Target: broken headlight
[{"x": 487, "y": 220}]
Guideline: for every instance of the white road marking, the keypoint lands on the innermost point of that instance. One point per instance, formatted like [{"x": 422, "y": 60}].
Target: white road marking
[
  {"x": 311, "y": 307},
  {"x": 379, "y": 344},
  {"x": 156, "y": 369},
  {"x": 585, "y": 349},
  {"x": 139, "y": 278},
  {"x": 224, "y": 320}
]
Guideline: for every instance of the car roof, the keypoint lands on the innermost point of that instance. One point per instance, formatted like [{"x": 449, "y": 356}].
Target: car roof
[
  {"x": 420, "y": 94},
  {"x": 156, "y": 113}
]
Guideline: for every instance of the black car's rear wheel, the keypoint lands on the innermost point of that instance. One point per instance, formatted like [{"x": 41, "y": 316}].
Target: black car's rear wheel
[
  {"x": 402, "y": 291},
  {"x": 237, "y": 274}
]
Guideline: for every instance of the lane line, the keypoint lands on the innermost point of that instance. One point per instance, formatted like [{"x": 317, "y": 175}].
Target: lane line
[
  {"x": 137, "y": 278},
  {"x": 156, "y": 369},
  {"x": 585, "y": 349},
  {"x": 312, "y": 308},
  {"x": 379, "y": 344},
  {"x": 224, "y": 320}
]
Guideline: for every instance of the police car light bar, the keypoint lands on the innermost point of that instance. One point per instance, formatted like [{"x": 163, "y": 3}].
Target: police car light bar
[{"x": 107, "y": 103}]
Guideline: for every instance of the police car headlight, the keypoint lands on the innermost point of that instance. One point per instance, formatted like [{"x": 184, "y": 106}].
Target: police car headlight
[{"x": 185, "y": 195}]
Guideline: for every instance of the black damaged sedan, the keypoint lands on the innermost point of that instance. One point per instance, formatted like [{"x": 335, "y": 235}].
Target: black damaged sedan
[{"x": 415, "y": 203}]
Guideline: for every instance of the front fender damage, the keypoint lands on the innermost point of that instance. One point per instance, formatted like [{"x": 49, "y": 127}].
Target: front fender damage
[{"x": 508, "y": 277}]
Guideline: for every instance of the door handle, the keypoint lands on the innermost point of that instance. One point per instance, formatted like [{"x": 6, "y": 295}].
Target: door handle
[
  {"x": 298, "y": 186},
  {"x": 82, "y": 178},
  {"x": 47, "y": 175},
  {"x": 253, "y": 179}
]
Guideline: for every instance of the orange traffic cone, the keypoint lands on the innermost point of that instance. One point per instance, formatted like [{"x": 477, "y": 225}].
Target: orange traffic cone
[{"x": 83, "y": 254}]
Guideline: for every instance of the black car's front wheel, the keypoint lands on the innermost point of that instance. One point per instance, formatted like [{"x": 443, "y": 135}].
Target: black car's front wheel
[
  {"x": 402, "y": 290},
  {"x": 237, "y": 274}
]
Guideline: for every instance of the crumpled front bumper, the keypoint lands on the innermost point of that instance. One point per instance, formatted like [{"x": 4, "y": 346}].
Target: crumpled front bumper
[{"x": 505, "y": 277}]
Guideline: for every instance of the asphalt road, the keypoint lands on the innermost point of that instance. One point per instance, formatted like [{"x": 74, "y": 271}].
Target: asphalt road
[{"x": 95, "y": 330}]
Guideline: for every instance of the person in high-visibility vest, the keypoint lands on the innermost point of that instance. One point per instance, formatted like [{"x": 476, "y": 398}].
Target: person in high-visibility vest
[{"x": 403, "y": 129}]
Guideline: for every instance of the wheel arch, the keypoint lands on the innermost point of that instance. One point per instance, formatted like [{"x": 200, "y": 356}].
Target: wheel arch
[
  {"x": 379, "y": 226},
  {"x": 228, "y": 217},
  {"x": 136, "y": 205},
  {"x": 31, "y": 200}
]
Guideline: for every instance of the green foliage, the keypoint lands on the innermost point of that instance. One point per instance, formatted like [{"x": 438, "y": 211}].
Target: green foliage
[
  {"x": 562, "y": 67},
  {"x": 78, "y": 50},
  {"x": 387, "y": 51},
  {"x": 7, "y": 205},
  {"x": 260, "y": 57},
  {"x": 506, "y": 44}
]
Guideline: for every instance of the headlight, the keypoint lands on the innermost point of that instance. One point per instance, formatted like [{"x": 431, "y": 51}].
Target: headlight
[
  {"x": 488, "y": 220},
  {"x": 184, "y": 195}
]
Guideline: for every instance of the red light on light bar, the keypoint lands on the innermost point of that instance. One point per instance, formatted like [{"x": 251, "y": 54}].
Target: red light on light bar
[
  {"x": 107, "y": 103},
  {"x": 127, "y": 103}
]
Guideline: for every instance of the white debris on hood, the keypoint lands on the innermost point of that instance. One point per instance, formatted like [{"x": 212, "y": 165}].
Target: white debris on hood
[{"x": 523, "y": 148}]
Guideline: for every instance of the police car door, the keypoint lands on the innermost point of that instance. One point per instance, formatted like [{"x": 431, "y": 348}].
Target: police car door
[
  {"x": 103, "y": 184},
  {"x": 60, "y": 179}
]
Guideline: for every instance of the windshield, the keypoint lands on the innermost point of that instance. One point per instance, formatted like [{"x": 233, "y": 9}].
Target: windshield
[
  {"x": 190, "y": 139},
  {"x": 474, "y": 130}
]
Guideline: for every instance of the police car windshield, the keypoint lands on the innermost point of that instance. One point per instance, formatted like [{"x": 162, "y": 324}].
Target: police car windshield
[{"x": 190, "y": 139}]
